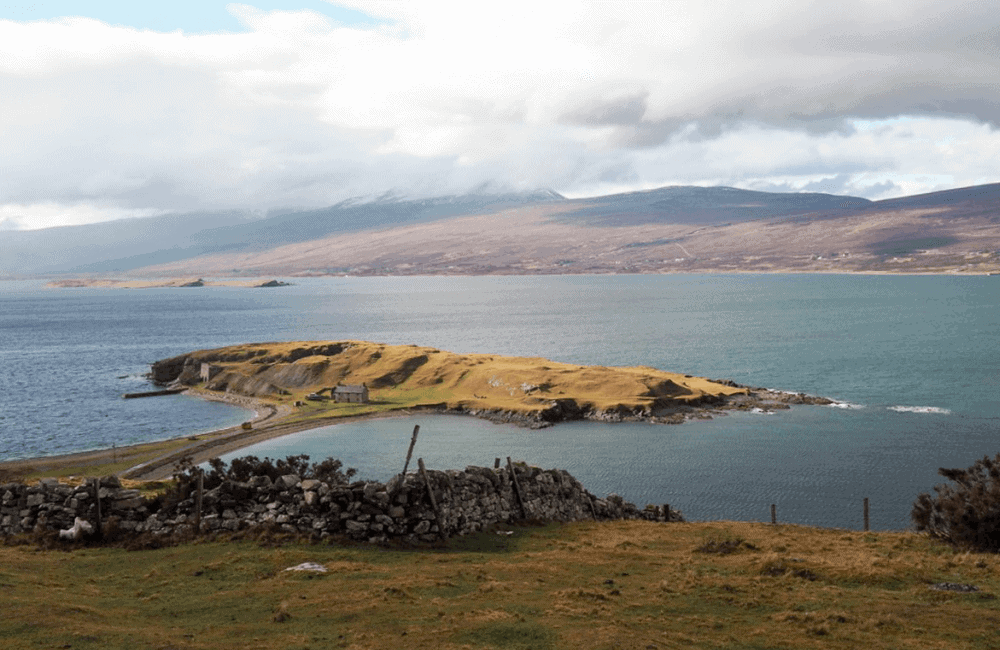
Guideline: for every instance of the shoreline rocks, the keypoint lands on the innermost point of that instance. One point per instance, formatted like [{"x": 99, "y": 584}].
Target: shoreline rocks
[{"x": 566, "y": 410}]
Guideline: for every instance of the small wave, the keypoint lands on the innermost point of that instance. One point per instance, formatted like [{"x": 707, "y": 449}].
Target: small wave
[
  {"x": 845, "y": 405},
  {"x": 920, "y": 409},
  {"x": 761, "y": 411}
]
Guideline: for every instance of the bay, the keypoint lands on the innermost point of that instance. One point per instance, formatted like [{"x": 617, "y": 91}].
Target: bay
[{"x": 916, "y": 356}]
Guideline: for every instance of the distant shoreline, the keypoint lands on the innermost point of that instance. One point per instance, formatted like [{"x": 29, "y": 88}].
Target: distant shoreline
[
  {"x": 151, "y": 283},
  {"x": 259, "y": 282}
]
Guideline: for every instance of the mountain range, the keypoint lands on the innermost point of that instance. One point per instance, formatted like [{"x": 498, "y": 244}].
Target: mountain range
[{"x": 671, "y": 229}]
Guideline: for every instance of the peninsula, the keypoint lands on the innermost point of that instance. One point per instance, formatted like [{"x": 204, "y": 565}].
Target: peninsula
[{"x": 293, "y": 386}]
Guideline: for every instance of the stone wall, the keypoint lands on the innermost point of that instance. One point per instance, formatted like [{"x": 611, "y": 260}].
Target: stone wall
[{"x": 467, "y": 500}]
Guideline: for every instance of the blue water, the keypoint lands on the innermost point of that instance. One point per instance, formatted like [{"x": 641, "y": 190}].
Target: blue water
[{"x": 924, "y": 346}]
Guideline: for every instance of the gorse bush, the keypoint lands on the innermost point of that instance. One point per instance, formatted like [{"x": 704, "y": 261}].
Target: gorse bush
[
  {"x": 966, "y": 514},
  {"x": 245, "y": 468}
]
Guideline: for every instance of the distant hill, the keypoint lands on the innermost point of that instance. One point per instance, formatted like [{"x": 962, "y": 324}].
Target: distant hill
[
  {"x": 671, "y": 229},
  {"x": 112, "y": 245},
  {"x": 704, "y": 206},
  {"x": 127, "y": 244}
]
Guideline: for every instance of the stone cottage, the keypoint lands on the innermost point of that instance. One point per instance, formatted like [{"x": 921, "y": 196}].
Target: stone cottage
[{"x": 351, "y": 393}]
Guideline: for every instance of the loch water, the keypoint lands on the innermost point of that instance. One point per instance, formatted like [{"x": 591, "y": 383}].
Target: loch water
[{"x": 913, "y": 361}]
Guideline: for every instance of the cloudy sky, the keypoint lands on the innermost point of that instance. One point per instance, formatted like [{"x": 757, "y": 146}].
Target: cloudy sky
[{"x": 125, "y": 109}]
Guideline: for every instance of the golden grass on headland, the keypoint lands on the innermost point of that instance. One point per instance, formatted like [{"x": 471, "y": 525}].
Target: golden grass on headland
[
  {"x": 276, "y": 379},
  {"x": 406, "y": 376},
  {"x": 629, "y": 585}
]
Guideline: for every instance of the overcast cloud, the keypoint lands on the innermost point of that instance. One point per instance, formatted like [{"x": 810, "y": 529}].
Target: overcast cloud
[{"x": 874, "y": 99}]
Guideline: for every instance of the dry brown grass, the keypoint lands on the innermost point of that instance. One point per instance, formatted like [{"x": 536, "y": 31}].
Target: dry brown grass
[
  {"x": 585, "y": 585},
  {"x": 405, "y": 376}
]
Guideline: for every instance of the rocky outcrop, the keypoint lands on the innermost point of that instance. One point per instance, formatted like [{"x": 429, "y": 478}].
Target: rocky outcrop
[
  {"x": 167, "y": 370},
  {"x": 467, "y": 501}
]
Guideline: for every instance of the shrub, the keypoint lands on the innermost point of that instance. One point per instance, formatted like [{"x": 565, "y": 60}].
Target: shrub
[
  {"x": 245, "y": 468},
  {"x": 968, "y": 513}
]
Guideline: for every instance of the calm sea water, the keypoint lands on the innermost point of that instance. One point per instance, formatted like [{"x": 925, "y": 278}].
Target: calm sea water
[{"x": 914, "y": 360}]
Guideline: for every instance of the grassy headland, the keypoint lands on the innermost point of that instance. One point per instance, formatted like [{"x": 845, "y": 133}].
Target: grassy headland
[{"x": 407, "y": 376}]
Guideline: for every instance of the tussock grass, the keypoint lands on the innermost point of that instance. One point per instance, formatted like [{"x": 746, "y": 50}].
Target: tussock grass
[{"x": 581, "y": 585}]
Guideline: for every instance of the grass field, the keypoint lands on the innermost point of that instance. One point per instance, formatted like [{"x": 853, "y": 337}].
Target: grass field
[{"x": 584, "y": 585}]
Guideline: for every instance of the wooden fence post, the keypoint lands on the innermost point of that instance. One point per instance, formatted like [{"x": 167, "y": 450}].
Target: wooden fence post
[
  {"x": 666, "y": 512},
  {"x": 517, "y": 489},
  {"x": 866, "y": 514},
  {"x": 496, "y": 463},
  {"x": 409, "y": 452},
  {"x": 430, "y": 492},
  {"x": 774, "y": 514}
]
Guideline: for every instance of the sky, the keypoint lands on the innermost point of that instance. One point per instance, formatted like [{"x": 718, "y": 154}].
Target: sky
[{"x": 111, "y": 110}]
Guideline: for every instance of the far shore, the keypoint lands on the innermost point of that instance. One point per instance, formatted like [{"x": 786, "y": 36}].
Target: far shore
[
  {"x": 261, "y": 282},
  {"x": 188, "y": 282}
]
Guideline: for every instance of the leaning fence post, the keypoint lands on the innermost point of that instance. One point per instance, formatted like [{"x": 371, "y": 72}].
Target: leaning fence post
[
  {"x": 517, "y": 489},
  {"x": 430, "y": 492},
  {"x": 774, "y": 514},
  {"x": 866, "y": 514},
  {"x": 409, "y": 452}
]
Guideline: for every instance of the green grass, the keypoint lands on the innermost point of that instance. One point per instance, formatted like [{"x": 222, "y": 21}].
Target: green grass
[{"x": 583, "y": 585}]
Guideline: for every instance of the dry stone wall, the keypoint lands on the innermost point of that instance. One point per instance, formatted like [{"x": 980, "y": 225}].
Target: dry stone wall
[{"x": 467, "y": 501}]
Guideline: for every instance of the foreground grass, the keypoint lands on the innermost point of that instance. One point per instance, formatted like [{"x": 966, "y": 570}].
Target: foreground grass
[{"x": 584, "y": 585}]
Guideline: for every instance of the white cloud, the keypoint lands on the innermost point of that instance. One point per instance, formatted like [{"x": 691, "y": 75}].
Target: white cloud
[
  {"x": 51, "y": 214},
  {"x": 886, "y": 98}
]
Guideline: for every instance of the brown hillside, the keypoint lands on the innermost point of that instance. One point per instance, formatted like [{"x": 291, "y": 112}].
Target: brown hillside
[{"x": 955, "y": 231}]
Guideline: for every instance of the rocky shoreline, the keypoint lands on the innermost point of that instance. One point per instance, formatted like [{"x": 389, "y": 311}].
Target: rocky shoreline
[{"x": 760, "y": 400}]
